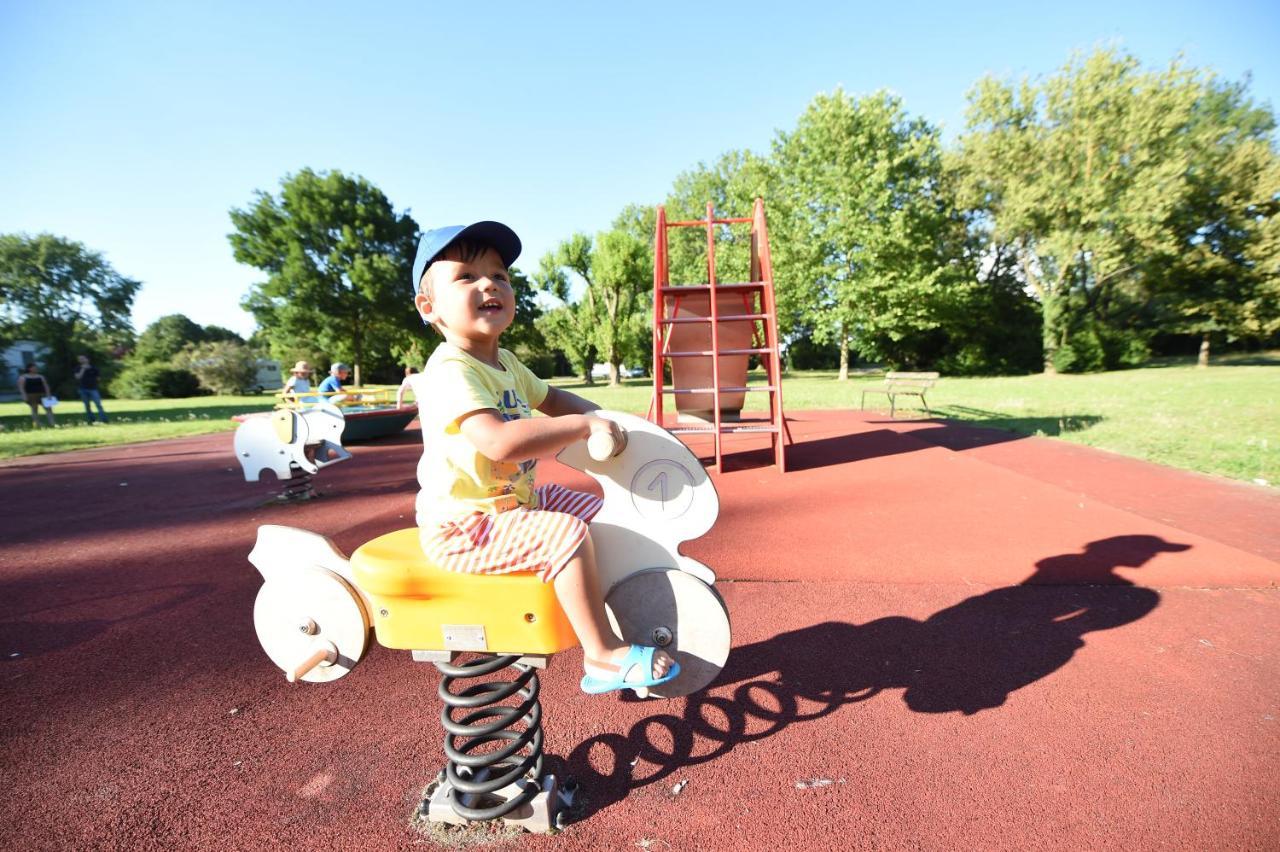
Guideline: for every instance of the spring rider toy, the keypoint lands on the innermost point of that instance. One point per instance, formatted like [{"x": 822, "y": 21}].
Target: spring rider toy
[
  {"x": 316, "y": 609},
  {"x": 293, "y": 445}
]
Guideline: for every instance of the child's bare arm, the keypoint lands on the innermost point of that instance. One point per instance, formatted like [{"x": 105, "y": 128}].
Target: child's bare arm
[
  {"x": 558, "y": 403},
  {"x": 529, "y": 437}
]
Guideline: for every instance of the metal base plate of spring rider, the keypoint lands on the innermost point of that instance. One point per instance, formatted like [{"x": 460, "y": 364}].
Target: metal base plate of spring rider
[{"x": 316, "y": 609}]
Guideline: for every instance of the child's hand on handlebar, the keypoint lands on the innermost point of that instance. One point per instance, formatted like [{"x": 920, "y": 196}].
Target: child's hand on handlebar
[{"x": 607, "y": 438}]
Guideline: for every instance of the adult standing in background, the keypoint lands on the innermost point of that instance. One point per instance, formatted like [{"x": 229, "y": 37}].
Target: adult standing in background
[
  {"x": 87, "y": 382},
  {"x": 35, "y": 390}
]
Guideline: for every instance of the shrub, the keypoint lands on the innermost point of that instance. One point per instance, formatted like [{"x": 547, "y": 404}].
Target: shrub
[
  {"x": 154, "y": 381},
  {"x": 223, "y": 366},
  {"x": 543, "y": 364},
  {"x": 1098, "y": 347},
  {"x": 803, "y": 354}
]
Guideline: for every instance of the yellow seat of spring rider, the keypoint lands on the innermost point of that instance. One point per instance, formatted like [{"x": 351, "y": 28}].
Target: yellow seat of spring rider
[{"x": 419, "y": 606}]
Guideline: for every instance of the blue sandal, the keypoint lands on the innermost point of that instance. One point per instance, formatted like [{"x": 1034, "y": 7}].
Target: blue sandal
[{"x": 638, "y": 655}]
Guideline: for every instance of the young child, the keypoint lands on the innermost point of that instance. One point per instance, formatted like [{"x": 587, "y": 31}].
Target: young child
[
  {"x": 406, "y": 384},
  {"x": 299, "y": 382},
  {"x": 478, "y": 510},
  {"x": 332, "y": 384}
]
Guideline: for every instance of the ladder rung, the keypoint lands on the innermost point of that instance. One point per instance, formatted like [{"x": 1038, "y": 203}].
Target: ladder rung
[
  {"x": 703, "y": 222},
  {"x": 706, "y": 353},
  {"x": 702, "y": 288},
  {"x": 725, "y": 390},
  {"x": 711, "y": 430},
  {"x": 730, "y": 318}
]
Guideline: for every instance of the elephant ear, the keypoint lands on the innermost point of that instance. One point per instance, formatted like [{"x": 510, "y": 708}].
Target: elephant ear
[{"x": 285, "y": 424}]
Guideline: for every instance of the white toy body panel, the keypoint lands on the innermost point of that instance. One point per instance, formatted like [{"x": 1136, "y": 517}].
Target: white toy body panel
[
  {"x": 258, "y": 447},
  {"x": 280, "y": 551},
  {"x": 656, "y": 496}
]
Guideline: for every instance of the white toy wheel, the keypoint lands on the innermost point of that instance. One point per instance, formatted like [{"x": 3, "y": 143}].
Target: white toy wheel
[
  {"x": 678, "y": 613},
  {"x": 314, "y": 610}
]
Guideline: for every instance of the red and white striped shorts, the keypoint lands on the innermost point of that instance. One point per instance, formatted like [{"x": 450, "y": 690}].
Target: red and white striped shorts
[{"x": 540, "y": 540}]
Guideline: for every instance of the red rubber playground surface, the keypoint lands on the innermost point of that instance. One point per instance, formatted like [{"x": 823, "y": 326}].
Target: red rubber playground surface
[{"x": 943, "y": 638}]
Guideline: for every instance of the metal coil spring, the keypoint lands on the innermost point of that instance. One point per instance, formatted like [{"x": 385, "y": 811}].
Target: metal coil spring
[
  {"x": 479, "y": 776},
  {"x": 298, "y": 486}
]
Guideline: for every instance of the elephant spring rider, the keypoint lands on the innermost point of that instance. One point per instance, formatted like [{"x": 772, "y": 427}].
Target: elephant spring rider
[{"x": 293, "y": 445}]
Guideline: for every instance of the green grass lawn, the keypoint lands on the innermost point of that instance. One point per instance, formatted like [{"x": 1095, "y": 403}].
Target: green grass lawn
[
  {"x": 131, "y": 420},
  {"x": 1223, "y": 420}
]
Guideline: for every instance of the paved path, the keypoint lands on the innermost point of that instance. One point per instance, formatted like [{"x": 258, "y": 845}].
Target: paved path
[{"x": 979, "y": 642}]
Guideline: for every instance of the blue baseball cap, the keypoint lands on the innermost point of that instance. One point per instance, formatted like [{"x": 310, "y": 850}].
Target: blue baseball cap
[{"x": 503, "y": 240}]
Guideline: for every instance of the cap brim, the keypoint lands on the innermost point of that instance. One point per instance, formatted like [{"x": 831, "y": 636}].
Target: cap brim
[
  {"x": 496, "y": 234},
  {"x": 433, "y": 242}
]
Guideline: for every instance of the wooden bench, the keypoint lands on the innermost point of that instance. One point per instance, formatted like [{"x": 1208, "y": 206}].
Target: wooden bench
[{"x": 903, "y": 384}]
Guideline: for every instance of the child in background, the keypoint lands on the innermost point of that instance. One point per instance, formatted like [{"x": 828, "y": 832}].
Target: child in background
[
  {"x": 299, "y": 381},
  {"x": 478, "y": 509},
  {"x": 332, "y": 385},
  {"x": 406, "y": 384}
]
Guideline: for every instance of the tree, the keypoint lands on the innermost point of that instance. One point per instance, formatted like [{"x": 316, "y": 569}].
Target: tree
[
  {"x": 215, "y": 333},
  {"x": 866, "y": 240},
  {"x": 616, "y": 270},
  {"x": 338, "y": 259},
  {"x": 566, "y": 330},
  {"x": 1087, "y": 177},
  {"x": 165, "y": 338},
  {"x": 731, "y": 184},
  {"x": 1222, "y": 280},
  {"x": 569, "y": 327},
  {"x": 67, "y": 297},
  {"x": 222, "y": 366}
]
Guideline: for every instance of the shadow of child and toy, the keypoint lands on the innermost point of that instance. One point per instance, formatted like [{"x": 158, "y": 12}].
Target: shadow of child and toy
[{"x": 966, "y": 658}]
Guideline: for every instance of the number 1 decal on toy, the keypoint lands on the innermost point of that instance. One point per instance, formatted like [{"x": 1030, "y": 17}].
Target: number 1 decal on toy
[{"x": 662, "y": 488}]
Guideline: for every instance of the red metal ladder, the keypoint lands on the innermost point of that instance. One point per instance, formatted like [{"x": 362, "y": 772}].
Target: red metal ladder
[{"x": 758, "y": 307}]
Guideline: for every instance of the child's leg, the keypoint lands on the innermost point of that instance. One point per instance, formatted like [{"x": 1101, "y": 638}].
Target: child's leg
[{"x": 577, "y": 588}]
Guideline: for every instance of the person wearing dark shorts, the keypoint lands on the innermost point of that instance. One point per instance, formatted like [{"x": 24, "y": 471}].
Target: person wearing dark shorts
[{"x": 35, "y": 390}]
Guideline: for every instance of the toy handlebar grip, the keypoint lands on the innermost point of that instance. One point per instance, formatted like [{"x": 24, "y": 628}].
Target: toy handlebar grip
[
  {"x": 601, "y": 446},
  {"x": 325, "y": 654}
]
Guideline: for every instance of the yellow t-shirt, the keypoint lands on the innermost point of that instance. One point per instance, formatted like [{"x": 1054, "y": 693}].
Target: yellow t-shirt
[{"x": 454, "y": 477}]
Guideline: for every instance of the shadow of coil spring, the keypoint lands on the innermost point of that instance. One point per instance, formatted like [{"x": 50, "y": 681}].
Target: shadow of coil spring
[{"x": 488, "y": 771}]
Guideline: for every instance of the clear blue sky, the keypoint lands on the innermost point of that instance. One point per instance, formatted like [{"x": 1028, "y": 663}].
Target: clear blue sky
[{"x": 134, "y": 127}]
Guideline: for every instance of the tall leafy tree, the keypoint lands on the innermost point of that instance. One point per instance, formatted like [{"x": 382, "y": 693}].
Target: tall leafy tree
[
  {"x": 1089, "y": 177},
  {"x": 731, "y": 184},
  {"x": 568, "y": 327},
  {"x": 338, "y": 259},
  {"x": 615, "y": 271},
  {"x": 64, "y": 295},
  {"x": 1224, "y": 278},
  {"x": 866, "y": 237},
  {"x": 566, "y": 330},
  {"x": 165, "y": 338}
]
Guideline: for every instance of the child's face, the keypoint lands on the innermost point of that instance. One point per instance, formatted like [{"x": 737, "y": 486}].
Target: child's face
[{"x": 472, "y": 299}]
